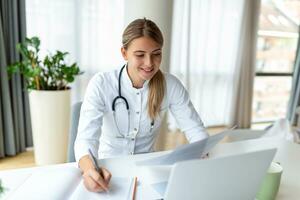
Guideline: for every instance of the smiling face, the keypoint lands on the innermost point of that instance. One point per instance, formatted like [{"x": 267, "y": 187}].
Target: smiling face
[{"x": 144, "y": 58}]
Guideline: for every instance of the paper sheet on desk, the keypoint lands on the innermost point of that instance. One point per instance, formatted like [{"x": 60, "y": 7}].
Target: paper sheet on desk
[
  {"x": 120, "y": 188},
  {"x": 63, "y": 183},
  {"x": 190, "y": 151},
  {"x": 48, "y": 184}
]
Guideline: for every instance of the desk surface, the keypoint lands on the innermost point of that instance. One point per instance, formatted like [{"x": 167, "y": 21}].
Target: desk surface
[{"x": 287, "y": 154}]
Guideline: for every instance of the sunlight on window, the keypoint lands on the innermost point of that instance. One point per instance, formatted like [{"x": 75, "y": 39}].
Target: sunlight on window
[{"x": 275, "y": 56}]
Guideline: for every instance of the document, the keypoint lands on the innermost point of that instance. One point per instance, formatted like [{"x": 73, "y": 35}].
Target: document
[
  {"x": 66, "y": 183},
  {"x": 190, "y": 151},
  {"x": 120, "y": 188}
]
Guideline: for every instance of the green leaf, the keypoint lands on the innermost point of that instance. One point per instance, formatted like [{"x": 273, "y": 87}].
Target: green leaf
[
  {"x": 11, "y": 69},
  {"x": 35, "y": 41},
  {"x": 52, "y": 72}
]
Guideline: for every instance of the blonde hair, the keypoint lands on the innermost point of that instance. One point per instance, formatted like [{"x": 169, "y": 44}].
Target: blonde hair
[{"x": 145, "y": 27}]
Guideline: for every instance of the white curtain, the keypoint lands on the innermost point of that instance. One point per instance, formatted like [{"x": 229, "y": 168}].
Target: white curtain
[
  {"x": 205, "y": 51},
  {"x": 208, "y": 48},
  {"x": 89, "y": 30}
]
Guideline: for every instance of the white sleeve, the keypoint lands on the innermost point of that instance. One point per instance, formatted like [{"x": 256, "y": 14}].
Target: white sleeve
[
  {"x": 91, "y": 119},
  {"x": 184, "y": 112}
]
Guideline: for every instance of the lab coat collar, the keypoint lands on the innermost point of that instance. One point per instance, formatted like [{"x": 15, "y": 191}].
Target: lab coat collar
[{"x": 126, "y": 81}]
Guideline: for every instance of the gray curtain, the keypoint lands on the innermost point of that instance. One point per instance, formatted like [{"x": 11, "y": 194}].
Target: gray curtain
[
  {"x": 242, "y": 103},
  {"x": 295, "y": 92},
  {"x": 15, "y": 128}
]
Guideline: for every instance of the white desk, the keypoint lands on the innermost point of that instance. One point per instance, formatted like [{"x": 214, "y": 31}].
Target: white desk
[
  {"x": 288, "y": 155},
  {"x": 119, "y": 167}
]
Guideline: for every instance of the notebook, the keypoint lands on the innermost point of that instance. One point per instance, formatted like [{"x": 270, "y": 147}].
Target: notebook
[{"x": 66, "y": 183}]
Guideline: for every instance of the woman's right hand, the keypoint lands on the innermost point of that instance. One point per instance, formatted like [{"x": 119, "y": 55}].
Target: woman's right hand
[
  {"x": 93, "y": 180},
  {"x": 96, "y": 181}
]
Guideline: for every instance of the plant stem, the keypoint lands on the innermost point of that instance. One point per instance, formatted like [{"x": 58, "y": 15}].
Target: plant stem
[{"x": 36, "y": 77}]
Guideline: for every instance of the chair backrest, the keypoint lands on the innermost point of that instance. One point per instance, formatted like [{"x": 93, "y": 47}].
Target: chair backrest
[{"x": 75, "y": 114}]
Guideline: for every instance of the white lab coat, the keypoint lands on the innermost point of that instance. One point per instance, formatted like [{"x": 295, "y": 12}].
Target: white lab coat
[{"x": 97, "y": 130}]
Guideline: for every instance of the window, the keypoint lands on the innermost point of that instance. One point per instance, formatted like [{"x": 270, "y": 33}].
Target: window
[{"x": 276, "y": 50}]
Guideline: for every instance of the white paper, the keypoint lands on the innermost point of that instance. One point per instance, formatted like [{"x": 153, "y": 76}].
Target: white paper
[
  {"x": 190, "y": 151},
  {"x": 119, "y": 188},
  {"x": 49, "y": 184},
  {"x": 66, "y": 183},
  {"x": 214, "y": 140}
]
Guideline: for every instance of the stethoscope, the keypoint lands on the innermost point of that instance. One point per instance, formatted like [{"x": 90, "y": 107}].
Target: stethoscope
[{"x": 120, "y": 97}]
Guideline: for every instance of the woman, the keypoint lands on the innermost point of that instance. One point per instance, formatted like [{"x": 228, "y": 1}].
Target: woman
[{"x": 130, "y": 104}]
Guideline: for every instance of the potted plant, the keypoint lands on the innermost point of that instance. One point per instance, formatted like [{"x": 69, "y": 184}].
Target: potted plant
[
  {"x": 1, "y": 188},
  {"x": 49, "y": 98}
]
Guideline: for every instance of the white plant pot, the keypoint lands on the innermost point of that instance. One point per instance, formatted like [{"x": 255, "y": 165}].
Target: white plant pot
[{"x": 50, "y": 119}]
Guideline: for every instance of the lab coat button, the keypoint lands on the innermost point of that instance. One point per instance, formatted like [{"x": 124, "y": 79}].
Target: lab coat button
[
  {"x": 137, "y": 93},
  {"x": 137, "y": 112},
  {"x": 135, "y": 129},
  {"x": 132, "y": 139}
]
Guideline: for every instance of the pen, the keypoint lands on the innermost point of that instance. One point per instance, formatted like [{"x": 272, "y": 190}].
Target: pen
[
  {"x": 95, "y": 163},
  {"x": 94, "y": 160}
]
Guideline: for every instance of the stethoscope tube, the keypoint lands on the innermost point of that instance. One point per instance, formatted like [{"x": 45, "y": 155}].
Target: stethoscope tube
[
  {"x": 120, "y": 95},
  {"x": 127, "y": 107}
]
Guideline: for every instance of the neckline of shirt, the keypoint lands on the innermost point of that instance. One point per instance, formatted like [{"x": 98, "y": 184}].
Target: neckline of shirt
[{"x": 126, "y": 81}]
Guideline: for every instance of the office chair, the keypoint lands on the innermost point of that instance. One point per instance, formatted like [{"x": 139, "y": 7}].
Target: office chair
[
  {"x": 298, "y": 116},
  {"x": 75, "y": 114}
]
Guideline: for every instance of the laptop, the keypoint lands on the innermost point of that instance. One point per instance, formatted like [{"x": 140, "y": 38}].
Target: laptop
[{"x": 236, "y": 177}]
